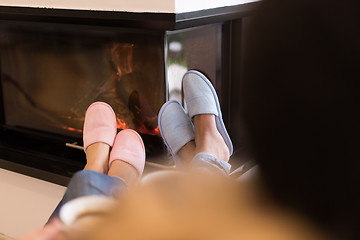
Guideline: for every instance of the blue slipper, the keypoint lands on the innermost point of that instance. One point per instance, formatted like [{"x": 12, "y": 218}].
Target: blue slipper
[
  {"x": 201, "y": 98},
  {"x": 175, "y": 126}
]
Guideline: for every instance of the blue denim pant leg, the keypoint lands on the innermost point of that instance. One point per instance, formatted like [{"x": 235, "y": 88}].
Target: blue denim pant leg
[
  {"x": 86, "y": 183},
  {"x": 207, "y": 162}
]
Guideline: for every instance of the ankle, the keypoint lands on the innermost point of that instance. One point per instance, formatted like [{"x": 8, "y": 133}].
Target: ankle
[
  {"x": 100, "y": 168},
  {"x": 97, "y": 156},
  {"x": 125, "y": 171},
  {"x": 187, "y": 152},
  {"x": 213, "y": 143},
  {"x": 206, "y": 121},
  {"x": 208, "y": 138}
]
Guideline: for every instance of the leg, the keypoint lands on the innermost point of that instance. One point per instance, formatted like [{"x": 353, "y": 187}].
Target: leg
[
  {"x": 97, "y": 156},
  {"x": 87, "y": 183},
  {"x": 99, "y": 134},
  {"x": 125, "y": 171},
  {"x": 208, "y": 139},
  {"x": 213, "y": 144},
  {"x": 212, "y": 153}
]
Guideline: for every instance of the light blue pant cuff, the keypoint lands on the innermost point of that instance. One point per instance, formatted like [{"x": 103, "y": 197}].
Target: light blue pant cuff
[{"x": 207, "y": 162}]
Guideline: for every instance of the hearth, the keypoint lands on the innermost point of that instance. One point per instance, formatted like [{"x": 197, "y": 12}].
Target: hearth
[{"x": 55, "y": 63}]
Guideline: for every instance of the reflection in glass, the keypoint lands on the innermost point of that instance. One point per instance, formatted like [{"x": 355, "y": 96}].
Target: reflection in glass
[{"x": 194, "y": 48}]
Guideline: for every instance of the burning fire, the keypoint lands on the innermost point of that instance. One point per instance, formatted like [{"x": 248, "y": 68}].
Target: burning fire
[
  {"x": 122, "y": 58},
  {"x": 121, "y": 124}
]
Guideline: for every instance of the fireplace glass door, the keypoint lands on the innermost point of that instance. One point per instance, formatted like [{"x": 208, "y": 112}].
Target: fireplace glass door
[{"x": 50, "y": 74}]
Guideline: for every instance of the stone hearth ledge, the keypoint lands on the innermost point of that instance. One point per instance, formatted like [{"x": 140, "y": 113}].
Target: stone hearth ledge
[{"x": 136, "y": 6}]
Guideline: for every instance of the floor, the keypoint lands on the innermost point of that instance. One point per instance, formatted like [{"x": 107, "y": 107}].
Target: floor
[{"x": 25, "y": 203}]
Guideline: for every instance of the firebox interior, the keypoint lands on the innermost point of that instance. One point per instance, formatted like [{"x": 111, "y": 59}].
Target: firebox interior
[{"x": 49, "y": 78}]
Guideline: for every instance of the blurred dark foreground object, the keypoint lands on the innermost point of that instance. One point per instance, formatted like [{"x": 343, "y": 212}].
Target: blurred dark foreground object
[{"x": 300, "y": 103}]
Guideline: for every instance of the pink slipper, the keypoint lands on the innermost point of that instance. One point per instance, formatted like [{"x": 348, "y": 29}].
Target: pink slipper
[
  {"x": 129, "y": 147},
  {"x": 99, "y": 125}
]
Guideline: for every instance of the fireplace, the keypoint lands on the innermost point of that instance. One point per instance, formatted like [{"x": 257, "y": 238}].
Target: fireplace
[
  {"x": 55, "y": 63},
  {"x": 49, "y": 78}
]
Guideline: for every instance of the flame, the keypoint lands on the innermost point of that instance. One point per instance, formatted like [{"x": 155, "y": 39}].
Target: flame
[
  {"x": 121, "y": 124},
  {"x": 144, "y": 130},
  {"x": 157, "y": 131},
  {"x": 122, "y": 57}
]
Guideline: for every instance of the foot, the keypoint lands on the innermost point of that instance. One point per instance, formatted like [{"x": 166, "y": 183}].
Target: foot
[
  {"x": 98, "y": 135},
  {"x": 201, "y": 99},
  {"x": 127, "y": 155},
  {"x": 99, "y": 125},
  {"x": 208, "y": 139},
  {"x": 175, "y": 127}
]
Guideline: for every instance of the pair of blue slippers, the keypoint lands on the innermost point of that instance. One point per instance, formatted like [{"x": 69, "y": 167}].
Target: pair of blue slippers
[{"x": 175, "y": 125}]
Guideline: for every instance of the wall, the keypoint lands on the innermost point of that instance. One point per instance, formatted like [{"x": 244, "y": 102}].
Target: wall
[{"x": 164, "y": 6}]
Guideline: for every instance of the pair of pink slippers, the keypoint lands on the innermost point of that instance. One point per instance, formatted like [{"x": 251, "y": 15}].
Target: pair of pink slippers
[{"x": 100, "y": 126}]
